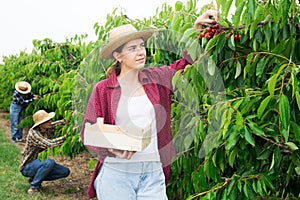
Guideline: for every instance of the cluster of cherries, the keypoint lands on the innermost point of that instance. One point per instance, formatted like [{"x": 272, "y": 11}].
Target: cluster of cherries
[
  {"x": 215, "y": 29},
  {"x": 210, "y": 31}
]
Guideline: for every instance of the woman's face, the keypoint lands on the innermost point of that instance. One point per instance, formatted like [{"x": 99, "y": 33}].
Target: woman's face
[{"x": 133, "y": 55}]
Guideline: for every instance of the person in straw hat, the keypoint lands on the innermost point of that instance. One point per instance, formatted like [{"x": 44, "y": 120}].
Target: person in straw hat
[
  {"x": 133, "y": 96},
  {"x": 21, "y": 98},
  {"x": 39, "y": 139}
]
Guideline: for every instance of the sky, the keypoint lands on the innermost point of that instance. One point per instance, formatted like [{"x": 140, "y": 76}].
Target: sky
[{"x": 22, "y": 21}]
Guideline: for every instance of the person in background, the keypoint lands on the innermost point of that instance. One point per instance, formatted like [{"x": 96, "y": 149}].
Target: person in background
[
  {"x": 134, "y": 96},
  {"x": 21, "y": 98},
  {"x": 39, "y": 139}
]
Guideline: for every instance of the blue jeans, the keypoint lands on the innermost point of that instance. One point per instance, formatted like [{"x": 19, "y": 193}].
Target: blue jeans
[
  {"x": 47, "y": 170},
  {"x": 131, "y": 181},
  {"x": 15, "y": 119}
]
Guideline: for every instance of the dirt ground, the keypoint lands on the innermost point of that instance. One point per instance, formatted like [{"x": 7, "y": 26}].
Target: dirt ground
[{"x": 75, "y": 185}]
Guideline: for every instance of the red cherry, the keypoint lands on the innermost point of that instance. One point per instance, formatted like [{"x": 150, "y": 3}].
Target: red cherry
[
  {"x": 218, "y": 31},
  {"x": 208, "y": 36},
  {"x": 202, "y": 34},
  {"x": 216, "y": 26},
  {"x": 208, "y": 29},
  {"x": 236, "y": 37}
]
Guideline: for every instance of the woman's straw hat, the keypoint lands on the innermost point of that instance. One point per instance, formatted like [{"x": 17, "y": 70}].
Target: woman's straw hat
[
  {"x": 121, "y": 35},
  {"x": 42, "y": 116},
  {"x": 23, "y": 87}
]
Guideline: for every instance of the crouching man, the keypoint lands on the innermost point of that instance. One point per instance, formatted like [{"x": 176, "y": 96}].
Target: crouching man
[{"x": 39, "y": 139}]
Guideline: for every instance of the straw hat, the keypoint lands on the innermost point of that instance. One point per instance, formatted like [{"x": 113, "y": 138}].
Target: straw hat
[
  {"x": 121, "y": 35},
  {"x": 23, "y": 87},
  {"x": 42, "y": 116}
]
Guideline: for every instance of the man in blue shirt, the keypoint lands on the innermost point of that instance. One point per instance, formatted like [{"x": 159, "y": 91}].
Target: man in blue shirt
[{"x": 22, "y": 97}]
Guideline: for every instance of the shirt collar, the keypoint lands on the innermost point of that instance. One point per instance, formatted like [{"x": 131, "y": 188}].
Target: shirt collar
[{"x": 114, "y": 83}]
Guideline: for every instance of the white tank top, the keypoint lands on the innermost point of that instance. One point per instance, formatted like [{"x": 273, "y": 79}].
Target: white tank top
[{"x": 139, "y": 112}]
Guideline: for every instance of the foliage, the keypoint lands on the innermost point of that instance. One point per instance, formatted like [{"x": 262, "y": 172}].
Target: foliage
[
  {"x": 50, "y": 69},
  {"x": 235, "y": 116},
  {"x": 243, "y": 96}
]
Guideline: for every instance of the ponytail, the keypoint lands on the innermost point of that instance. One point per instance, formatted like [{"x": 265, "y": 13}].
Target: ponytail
[{"x": 116, "y": 66}]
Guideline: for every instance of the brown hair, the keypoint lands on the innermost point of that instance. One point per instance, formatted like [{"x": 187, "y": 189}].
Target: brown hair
[{"x": 116, "y": 66}]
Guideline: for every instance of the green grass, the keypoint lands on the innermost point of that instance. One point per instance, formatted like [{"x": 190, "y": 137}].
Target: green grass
[{"x": 13, "y": 186}]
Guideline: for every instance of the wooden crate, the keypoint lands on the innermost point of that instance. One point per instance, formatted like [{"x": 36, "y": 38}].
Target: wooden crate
[{"x": 117, "y": 137}]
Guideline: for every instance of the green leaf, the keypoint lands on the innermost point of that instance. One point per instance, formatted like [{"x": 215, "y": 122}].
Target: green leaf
[
  {"x": 263, "y": 106},
  {"x": 239, "y": 121},
  {"x": 232, "y": 156},
  {"x": 260, "y": 66},
  {"x": 274, "y": 32},
  {"x": 268, "y": 182},
  {"x": 248, "y": 64},
  {"x": 272, "y": 84},
  {"x": 259, "y": 188},
  {"x": 284, "y": 8},
  {"x": 246, "y": 189},
  {"x": 255, "y": 45},
  {"x": 251, "y": 5},
  {"x": 178, "y": 5},
  {"x": 211, "y": 67},
  {"x": 187, "y": 35},
  {"x": 298, "y": 99},
  {"x": 227, "y": 7},
  {"x": 237, "y": 15},
  {"x": 284, "y": 112},
  {"x": 276, "y": 158},
  {"x": 176, "y": 21},
  {"x": 297, "y": 169},
  {"x": 211, "y": 43},
  {"x": 238, "y": 70},
  {"x": 256, "y": 129},
  {"x": 268, "y": 34},
  {"x": 221, "y": 42},
  {"x": 296, "y": 130},
  {"x": 231, "y": 44},
  {"x": 292, "y": 145},
  {"x": 248, "y": 136},
  {"x": 264, "y": 155},
  {"x": 188, "y": 140},
  {"x": 253, "y": 28},
  {"x": 233, "y": 138},
  {"x": 194, "y": 49},
  {"x": 294, "y": 83}
]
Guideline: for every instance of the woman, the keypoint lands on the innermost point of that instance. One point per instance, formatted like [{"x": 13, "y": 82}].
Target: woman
[{"x": 134, "y": 97}]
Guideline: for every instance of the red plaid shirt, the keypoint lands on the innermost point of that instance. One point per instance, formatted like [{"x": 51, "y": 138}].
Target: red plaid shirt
[{"x": 157, "y": 83}]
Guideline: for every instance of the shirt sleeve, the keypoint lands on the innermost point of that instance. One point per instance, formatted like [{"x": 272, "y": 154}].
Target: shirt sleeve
[
  {"x": 22, "y": 99},
  {"x": 163, "y": 75},
  {"x": 93, "y": 111},
  {"x": 45, "y": 143}
]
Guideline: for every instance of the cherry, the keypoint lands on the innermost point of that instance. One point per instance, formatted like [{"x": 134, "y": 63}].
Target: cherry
[
  {"x": 236, "y": 37},
  {"x": 209, "y": 29},
  {"x": 208, "y": 36},
  {"x": 216, "y": 26}
]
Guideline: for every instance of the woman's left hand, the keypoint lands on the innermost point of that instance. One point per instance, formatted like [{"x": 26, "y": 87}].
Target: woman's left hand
[{"x": 205, "y": 18}]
